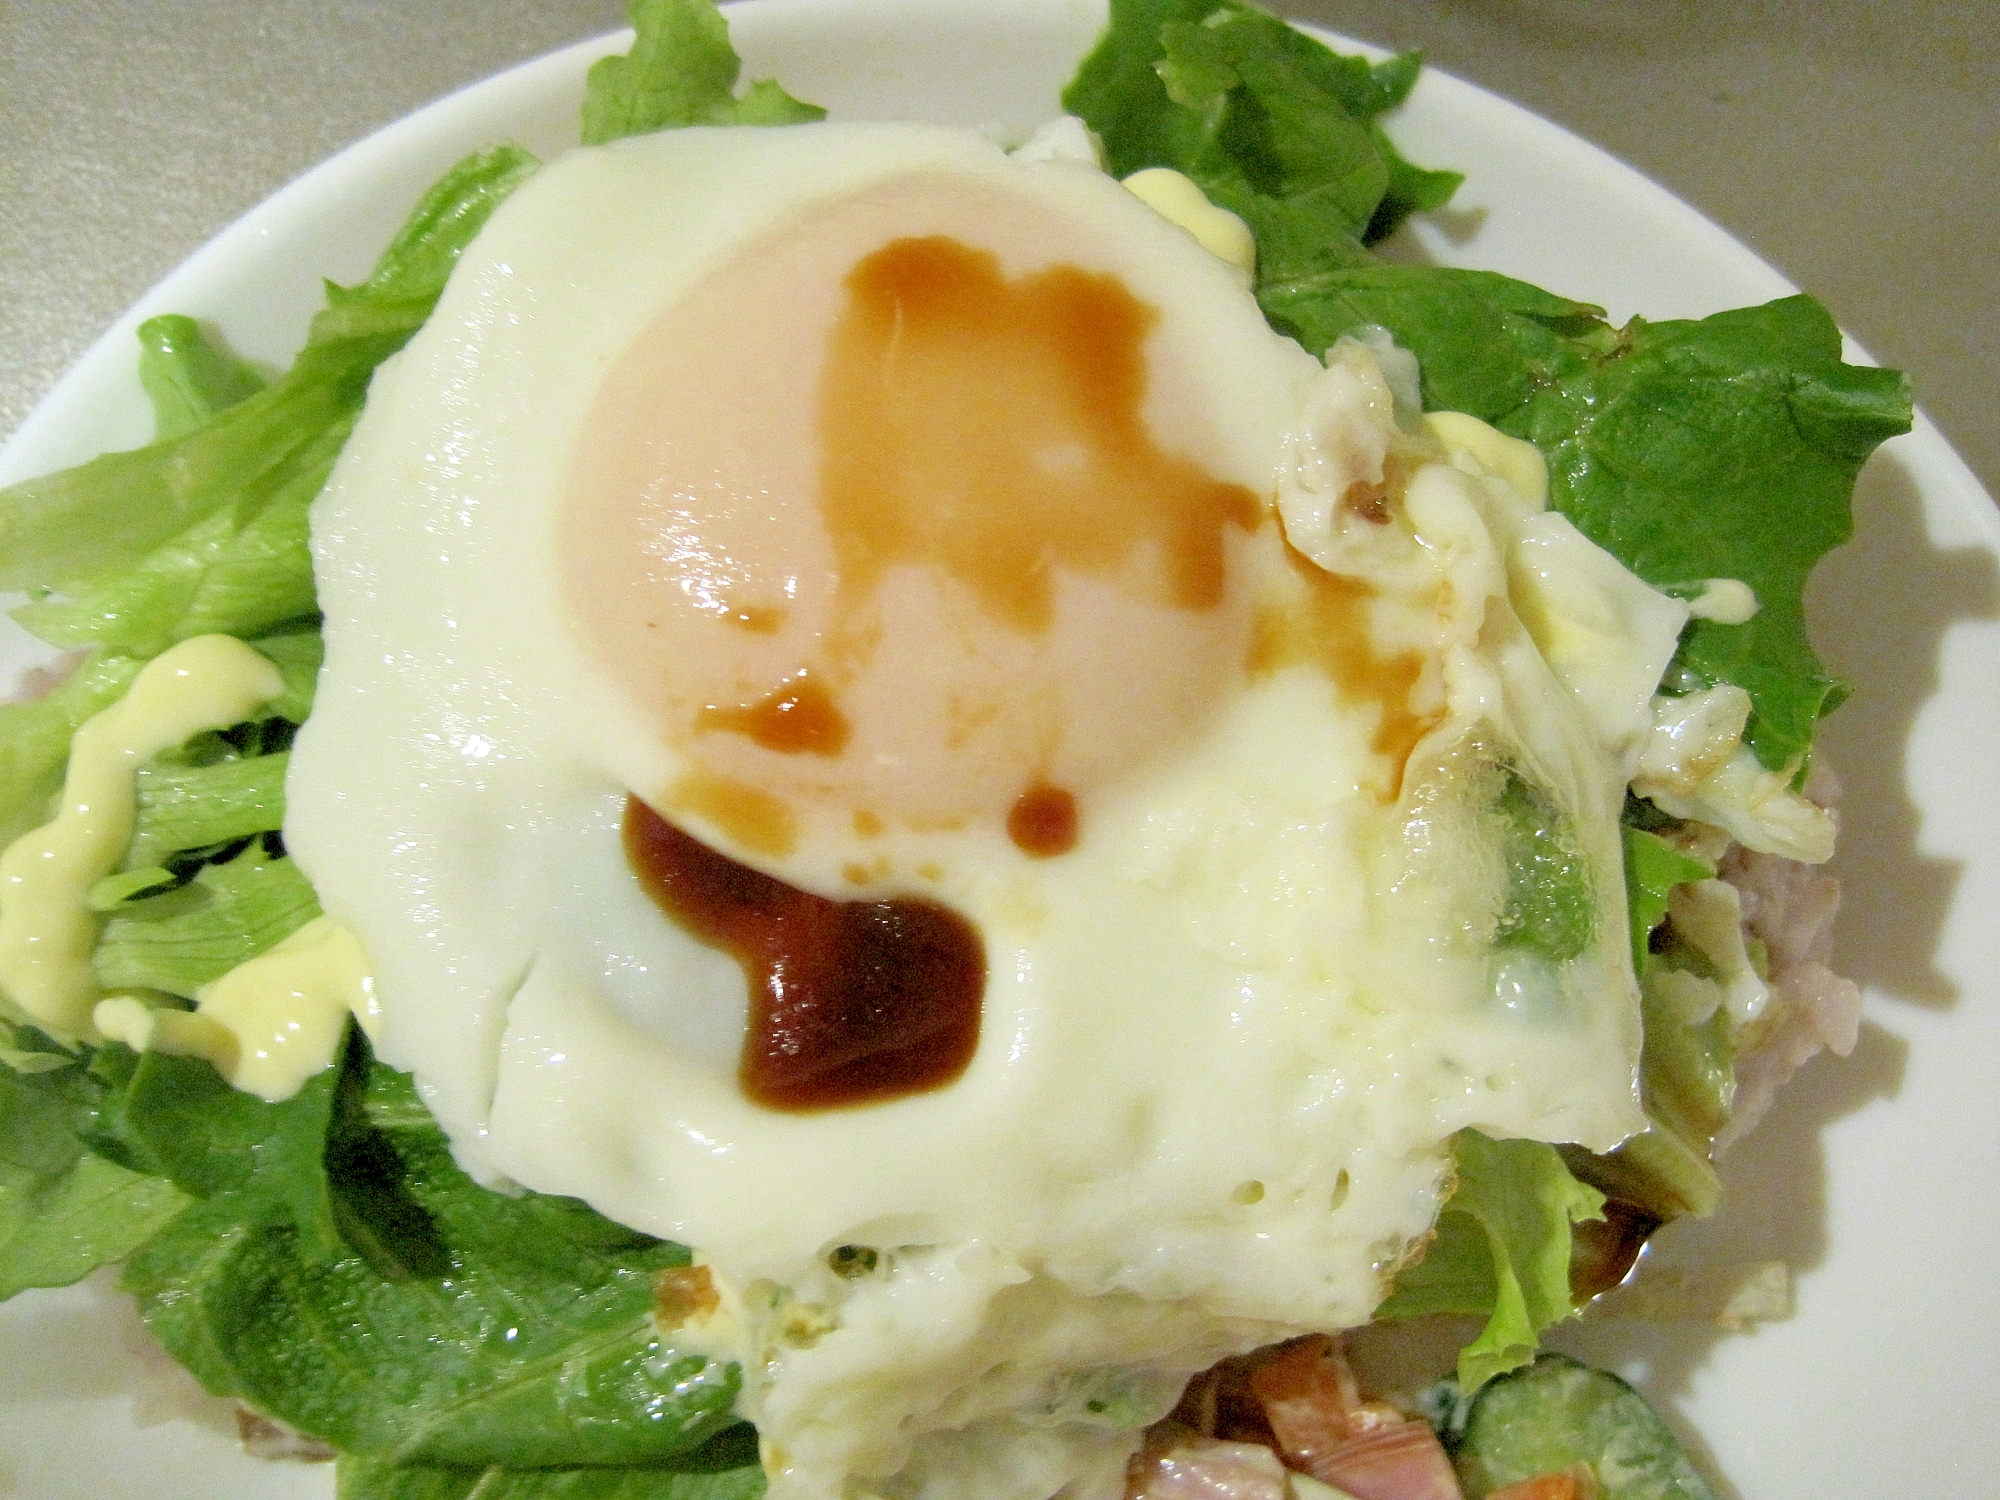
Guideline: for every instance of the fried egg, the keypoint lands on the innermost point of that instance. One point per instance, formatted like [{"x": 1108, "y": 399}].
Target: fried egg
[{"x": 903, "y": 522}]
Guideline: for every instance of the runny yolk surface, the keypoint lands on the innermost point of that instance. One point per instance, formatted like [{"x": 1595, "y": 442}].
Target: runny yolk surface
[{"x": 896, "y": 511}]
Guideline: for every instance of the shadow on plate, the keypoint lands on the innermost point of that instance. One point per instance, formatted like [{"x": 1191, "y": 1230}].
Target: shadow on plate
[
  {"x": 86, "y": 1343},
  {"x": 1880, "y": 608}
]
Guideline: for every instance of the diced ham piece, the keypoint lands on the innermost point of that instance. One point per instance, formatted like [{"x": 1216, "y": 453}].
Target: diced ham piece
[
  {"x": 1179, "y": 1465},
  {"x": 1311, "y": 1400},
  {"x": 1301, "y": 1399},
  {"x": 1790, "y": 908},
  {"x": 1403, "y": 1462}
]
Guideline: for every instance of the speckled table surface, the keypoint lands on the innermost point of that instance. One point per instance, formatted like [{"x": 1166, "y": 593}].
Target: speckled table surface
[{"x": 1855, "y": 144}]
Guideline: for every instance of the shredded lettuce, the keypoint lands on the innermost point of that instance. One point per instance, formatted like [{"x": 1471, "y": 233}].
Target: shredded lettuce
[
  {"x": 1268, "y": 122},
  {"x": 188, "y": 375},
  {"x": 1501, "y": 1251},
  {"x": 681, "y": 71}
]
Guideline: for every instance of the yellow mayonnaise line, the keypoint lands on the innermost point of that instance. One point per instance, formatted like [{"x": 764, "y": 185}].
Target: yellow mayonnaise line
[
  {"x": 1520, "y": 464},
  {"x": 271, "y": 1022},
  {"x": 1176, "y": 199},
  {"x": 47, "y": 930}
]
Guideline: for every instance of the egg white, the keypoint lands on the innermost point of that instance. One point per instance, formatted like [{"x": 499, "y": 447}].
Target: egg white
[{"x": 1223, "y": 1040}]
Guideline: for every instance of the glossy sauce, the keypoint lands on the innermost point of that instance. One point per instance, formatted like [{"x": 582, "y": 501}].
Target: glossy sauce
[
  {"x": 1043, "y": 822},
  {"x": 851, "y": 1002},
  {"x": 798, "y": 717},
  {"x": 993, "y": 430}
]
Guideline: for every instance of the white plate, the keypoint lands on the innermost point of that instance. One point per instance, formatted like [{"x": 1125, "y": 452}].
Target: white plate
[{"x": 1873, "y": 1178}]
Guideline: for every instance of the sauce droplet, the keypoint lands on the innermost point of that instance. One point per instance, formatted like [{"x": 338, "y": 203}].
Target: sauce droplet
[
  {"x": 1043, "y": 822},
  {"x": 851, "y": 1002},
  {"x": 797, "y": 717}
]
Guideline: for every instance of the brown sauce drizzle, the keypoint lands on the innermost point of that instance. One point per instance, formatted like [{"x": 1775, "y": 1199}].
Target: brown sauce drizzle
[
  {"x": 1042, "y": 822},
  {"x": 851, "y": 1002},
  {"x": 1331, "y": 629},
  {"x": 797, "y": 717},
  {"x": 994, "y": 431}
]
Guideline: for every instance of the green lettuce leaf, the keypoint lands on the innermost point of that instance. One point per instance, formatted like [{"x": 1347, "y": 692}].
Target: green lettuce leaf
[
  {"x": 1723, "y": 448},
  {"x": 223, "y": 574},
  {"x": 1686, "y": 1068},
  {"x": 1549, "y": 907},
  {"x": 34, "y": 738},
  {"x": 681, "y": 71},
  {"x": 64, "y": 1210},
  {"x": 1501, "y": 1251},
  {"x": 724, "y": 1468},
  {"x": 1728, "y": 448},
  {"x": 1270, "y": 123},
  {"x": 296, "y": 654},
  {"x": 188, "y": 807},
  {"x": 189, "y": 375},
  {"x": 475, "y": 1329},
  {"x": 1485, "y": 342},
  {"x": 68, "y": 531},
  {"x": 1653, "y": 867},
  {"x": 229, "y": 912}
]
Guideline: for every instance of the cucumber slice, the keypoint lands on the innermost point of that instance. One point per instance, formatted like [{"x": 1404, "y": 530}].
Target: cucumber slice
[{"x": 1555, "y": 1413}]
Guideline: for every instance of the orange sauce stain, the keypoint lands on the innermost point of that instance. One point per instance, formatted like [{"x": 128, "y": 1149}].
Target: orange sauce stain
[
  {"x": 749, "y": 815},
  {"x": 1330, "y": 629},
  {"x": 992, "y": 430},
  {"x": 756, "y": 619},
  {"x": 798, "y": 717}
]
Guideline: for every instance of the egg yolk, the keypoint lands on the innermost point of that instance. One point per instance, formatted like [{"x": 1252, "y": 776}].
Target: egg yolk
[{"x": 878, "y": 518}]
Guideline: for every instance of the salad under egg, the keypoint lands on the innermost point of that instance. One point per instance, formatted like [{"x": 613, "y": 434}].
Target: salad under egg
[{"x": 915, "y": 719}]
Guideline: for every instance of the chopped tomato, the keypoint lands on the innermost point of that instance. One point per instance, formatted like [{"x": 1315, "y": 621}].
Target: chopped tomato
[{"x": 1576, "y": 1483}]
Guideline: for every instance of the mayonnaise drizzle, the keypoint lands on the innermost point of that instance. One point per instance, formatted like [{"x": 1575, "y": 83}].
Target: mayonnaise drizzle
[
  {"x": 271, "y": 1022},
  {"x": 47, "y": 929}
]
